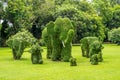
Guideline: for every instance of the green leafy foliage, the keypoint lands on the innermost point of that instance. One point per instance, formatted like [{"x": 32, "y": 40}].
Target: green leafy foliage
[
  {"x": 73, "y": 62},
  {"x": 43, "y": 13},
  {"x": 109, "y": 11},
  {"x": 36, "y": 56},
  {"x": 85, "y": 45},
  {"x": 66, "y": 50},
  {"x": 47, "y": 38},
  {"x": 115, "y": 21},
  {"x": 19, "y": 13},
  {"x": 91, "y": 46},
  {"x": 19, "y": 42},
  {"x": 94, "y": 59},
  {"x": 4, "y": 33},
  {"x": 1, "y": 9},
  {"x": 114, "y": 35},
  {"x": 94, "y": 18},
  {"x": 89, "y": 25},
  {"x": 100, "y": 58},
  {"x": 58, "y": 37}
]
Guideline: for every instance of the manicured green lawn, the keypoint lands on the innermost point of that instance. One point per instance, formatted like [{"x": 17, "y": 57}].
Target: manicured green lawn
[{"x": 23, "y": 69}]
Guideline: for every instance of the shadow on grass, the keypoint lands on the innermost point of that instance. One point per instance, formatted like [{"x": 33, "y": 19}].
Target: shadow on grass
[{"x": 11, "y": 59}]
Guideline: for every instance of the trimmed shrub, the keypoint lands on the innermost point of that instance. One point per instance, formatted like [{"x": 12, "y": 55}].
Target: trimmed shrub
[
  {"x": 66, "y": 50},
  {"x": 91, "y": 46},
  {"x": 58, "y": 37},
  {"x": 85, "y": 45},
  {"x": 94, "y": 59},
  {"x": 73, "y": 62},
  {"x": 36, "y": 56},
  {"x": 100, "y": 58},
  {"x": 19, "y": 42}
]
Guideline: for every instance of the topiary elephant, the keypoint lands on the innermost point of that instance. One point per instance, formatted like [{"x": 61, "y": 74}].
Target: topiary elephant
[
  {"x": 19, "y": 42},
  {"x": 91, "y": 46},
  {"x": 58, "y": 37},
  {"x": 36, "y": 56}
]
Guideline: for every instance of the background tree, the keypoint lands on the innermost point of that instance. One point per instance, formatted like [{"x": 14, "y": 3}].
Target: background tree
[
  {"x": 4, "y": 35},
  {"x": 43, "y": 12},
  {"x": 94, "y": 18},
  {"x": 88, "y": 25},
  {"x": 114, "y": 36},
  {"x": 109, "y": 11},
  {"x": 115, "y": 21},
  {"x": 20, "y": 14},
  {"x": 1, "y": 9},
  {"x": 83, "y": 17}
]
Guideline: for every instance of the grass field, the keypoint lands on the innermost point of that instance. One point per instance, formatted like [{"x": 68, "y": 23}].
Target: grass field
[{"x": 23, "y": 69}]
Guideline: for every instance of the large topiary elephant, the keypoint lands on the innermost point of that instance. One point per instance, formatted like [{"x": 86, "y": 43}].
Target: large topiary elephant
[
  {"x": 58, "y": 36},
  {"x": 91, "y": 46}
]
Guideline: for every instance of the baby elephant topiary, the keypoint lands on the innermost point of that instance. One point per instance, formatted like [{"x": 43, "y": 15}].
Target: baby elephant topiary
[
  {"x": 73, "y": 62},
  {"x": 94, "y": 59},
  {"x": 91, "y": 46},
  {"x": 36, "y": 56}
]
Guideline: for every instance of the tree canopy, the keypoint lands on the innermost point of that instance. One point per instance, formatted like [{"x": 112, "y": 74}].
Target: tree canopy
[{"x": 89, "y": 18}]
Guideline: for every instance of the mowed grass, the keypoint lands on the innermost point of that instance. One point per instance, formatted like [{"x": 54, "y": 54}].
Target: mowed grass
[{"x": 23, "y": 69}]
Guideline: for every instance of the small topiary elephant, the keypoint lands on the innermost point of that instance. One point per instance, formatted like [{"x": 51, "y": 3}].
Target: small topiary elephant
[
  {"x": 94, "y": 59},
  {"x": 73, "y": 62},
  {"x": 91, "y": 46},
  {"x": 36, "y": 56}
]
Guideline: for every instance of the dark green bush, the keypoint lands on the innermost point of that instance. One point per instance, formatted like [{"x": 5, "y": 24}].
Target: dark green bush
[
  {"x": 73, "y": 62},
  {"x": 100, "y": 58},
  {"x": 114, "y": 36},
  {"x": 36, "y": 56},
  {"x": 94, "y": 59}
]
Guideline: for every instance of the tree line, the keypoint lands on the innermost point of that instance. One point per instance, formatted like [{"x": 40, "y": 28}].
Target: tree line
[{"x": 95, "y": 18}]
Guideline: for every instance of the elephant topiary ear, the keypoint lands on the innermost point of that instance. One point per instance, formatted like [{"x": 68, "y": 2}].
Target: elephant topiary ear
[
  {"x": 70, "y": 36},
  {"x": 50, "y": 27},
  {"x": 45, "y": 35},
  {"x": 67, "y": 25}
]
